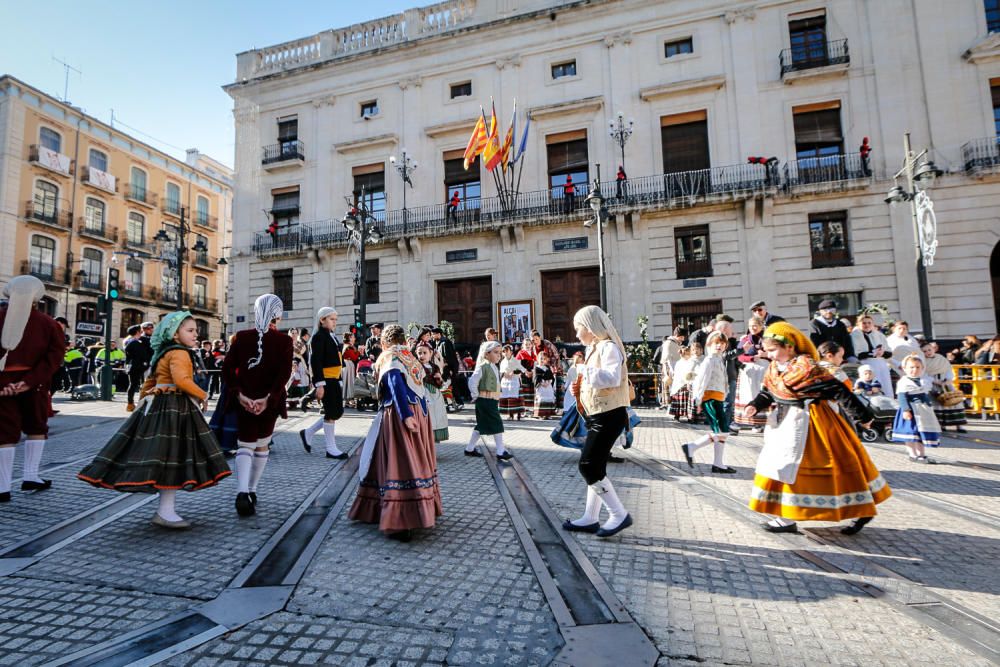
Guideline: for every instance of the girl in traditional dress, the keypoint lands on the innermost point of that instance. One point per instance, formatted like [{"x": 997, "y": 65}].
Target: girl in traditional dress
[
  {"x": 681, "y": 405},
  {"x": 831, "y": 357},
  {"x": 350, "y": 355},
  {"x": 812, "y": 466},
  {"x": 526, "y": 355},
  {"x": 915, "y": 425},
  {"x": 545, "y": 387},
  {"x": 709, "y": 390},
  {"x": 939, "y": 370},
  {"x": 433, "y": 381},
  {"x": 511, "y": 371},
  {"x": 165, "y": 445},
  {"x": 485, "y": 387},
  {"x": 399, "y": 483},
  {"x": 751, "y": 377}
]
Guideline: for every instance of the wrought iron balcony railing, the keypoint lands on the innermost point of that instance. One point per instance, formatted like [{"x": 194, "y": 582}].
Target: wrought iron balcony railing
[
  {"x": 89, "y": 283},
  {"x": 100, "y": 232},
  {"x": 48, "y": 212},
  {"x": 811, "y": 56},
  {"x": 283, "y": 151},
  {"x": 171, "y": 207},
  {"x": 46, "y": 271},
  {"x": 828, "y": 169},
  {"x": 203, "y": 260},
  {"x": 981, "y": 154},
  {"x": 140, "y": 194},
  {"x": 289, "y": 241},
  {"x": 206, "y": 221}
]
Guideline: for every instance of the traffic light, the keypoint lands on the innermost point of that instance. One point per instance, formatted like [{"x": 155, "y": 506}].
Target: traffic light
[
  {"x": 357, "y": 319},
  {"x": 112, "y": 292}
]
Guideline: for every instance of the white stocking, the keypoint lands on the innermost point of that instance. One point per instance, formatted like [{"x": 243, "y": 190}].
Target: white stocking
[
  {"x": 330, "y": 434},
  {"x": 6, "y": 468},
  {"x": 699, "y": 443},
  {"x": 33, "y": 459},
  {"x": 720, "y": 449},
  {"x": 498, "y": 441},
  {"x": 606, "y": 491},
  {"x": 592, "y": 510},
  {"x": 168, "y": 498},
  {"x": 257, "y": 469},
  {"x": 314, "y": 428},
  {"x": 473, "y": 441},
  {"x": 244, "y": 462}
]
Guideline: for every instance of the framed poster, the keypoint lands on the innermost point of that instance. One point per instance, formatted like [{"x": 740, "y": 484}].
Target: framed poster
[{"x": 517, "y": 319}]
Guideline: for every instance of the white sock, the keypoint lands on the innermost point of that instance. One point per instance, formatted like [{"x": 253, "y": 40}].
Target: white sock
[
  {"x": 498, "y": 441},
  {"x": 32, "y": 459},
  {"x": 6, "y": 468},
  {"x": 592, "y": 510},
  {"x": 244, "y": 461},
  {"x": 699, "y": 443},
  {"x": 780, "y": 521},
  {"x": 314, "y": 429},
  {"x": 330, "y": 434},
  {"x": 720, "y": 448},
  {"x": 257, "y": 469},
  {"x": 617, "y": 512},
  {"x": 168, "y": 498},
  {"x": 473, "y": 441}
]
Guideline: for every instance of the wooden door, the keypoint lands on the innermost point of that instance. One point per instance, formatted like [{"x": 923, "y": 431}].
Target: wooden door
[
  {"x": 467, "y": 304},
  {"x": 564, "y": 293}
]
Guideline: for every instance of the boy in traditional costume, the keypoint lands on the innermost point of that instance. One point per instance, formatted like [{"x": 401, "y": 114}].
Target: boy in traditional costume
[
  {"x": 812, "y": 466},
  {"x": 485, "y": 388},
  {"x": 711, "y": 383},
  {"x": 327, "y": 367}
]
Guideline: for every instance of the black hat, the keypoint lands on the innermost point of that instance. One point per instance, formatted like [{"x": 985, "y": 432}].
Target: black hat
[
  {"x": 827, "y": 304},
  {"x": 134, "y": 329},
  {"x": 376, "y": 324},
  {"x": 757, "y": 304}
]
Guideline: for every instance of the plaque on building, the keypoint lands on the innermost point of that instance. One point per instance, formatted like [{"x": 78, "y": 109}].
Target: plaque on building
[
  {"x": 575, "y": 243},
  {"x": 89, "y": 328},
  {"x": 695, "y": 282},
  {"x": 470, "y": 255}
]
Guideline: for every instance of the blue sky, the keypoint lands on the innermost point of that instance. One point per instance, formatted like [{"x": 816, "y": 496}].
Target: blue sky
[{"x": 161, "y": 66}]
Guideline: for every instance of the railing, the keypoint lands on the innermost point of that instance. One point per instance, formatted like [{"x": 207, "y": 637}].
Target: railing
[
  {"x": 102, "y": 233},
  {"x": 209, "y": 305},
  {"x": 51, "y": 160},
  {"x": 50, "y": 273},
  {"x": 140, "y": 194},
  {"x": 140, "y": 245},
  {"x": 289, "y": 242},
  {"x": 89, "y": 283},
  {"x": 140, "y": 293},
  {"x": 980, "y": 154},
  {"x": 47, "y": 213},
  {"x": 207, "y": 221},
  {"x": 203, "y": 260},
  {"x": 810, "y": 56},
  {"x": 285, "y": 150},
  {"x": 171, "y": 207},
  {"x": 981, "y": 385},
  {"x": 829, "y": 169}
]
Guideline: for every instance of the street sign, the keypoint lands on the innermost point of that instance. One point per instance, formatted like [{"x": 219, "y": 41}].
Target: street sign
[{"x": 89, "y": 329}]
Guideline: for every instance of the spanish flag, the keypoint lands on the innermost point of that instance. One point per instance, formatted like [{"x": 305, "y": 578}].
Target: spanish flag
[
  {"x": 477, "y": 142},
  {"x": 491, "y": 154},
  {"x": 508, "y": 140}
]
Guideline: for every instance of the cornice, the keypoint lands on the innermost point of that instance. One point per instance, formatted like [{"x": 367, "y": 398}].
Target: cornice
[
  {"x": 704, "y": 84},
  {"x": 367, "y": 142},
  {"x": 563, "y": 108},
  {"x": 986, "y": 50},
  {"x": 434, "y": 131}
]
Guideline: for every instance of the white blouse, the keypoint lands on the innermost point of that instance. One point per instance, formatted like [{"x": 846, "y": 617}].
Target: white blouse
[{"x": 609, "y": 375}]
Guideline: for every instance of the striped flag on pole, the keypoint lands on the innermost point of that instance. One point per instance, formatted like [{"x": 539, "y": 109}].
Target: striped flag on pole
[
  {"x": 491, "y": 154},
  {"x": 477, "y": 142},
  {"x": 508, "y": 140}
]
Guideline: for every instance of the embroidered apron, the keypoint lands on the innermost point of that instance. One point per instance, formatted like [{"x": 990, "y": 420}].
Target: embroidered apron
[{"x": 784, "y": 442}]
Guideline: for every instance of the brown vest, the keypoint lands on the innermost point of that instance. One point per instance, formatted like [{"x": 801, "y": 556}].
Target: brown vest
[{"x": 596, "y": 401}]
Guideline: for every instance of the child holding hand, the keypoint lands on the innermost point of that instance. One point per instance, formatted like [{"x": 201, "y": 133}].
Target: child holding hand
[{"x": 915, "y": 425}]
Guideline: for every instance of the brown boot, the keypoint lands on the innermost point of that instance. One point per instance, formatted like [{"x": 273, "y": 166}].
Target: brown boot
[{"x": 130, "y": 407}]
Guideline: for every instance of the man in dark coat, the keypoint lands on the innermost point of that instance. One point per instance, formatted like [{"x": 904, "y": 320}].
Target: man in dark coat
[
  {"x": 446, "y": 348},
  {"x": 759, "y": 308},
  {"x": 373, "y": 346},
  {"x": 825, "y": 326},
  {"x": 138, "y": 354}
]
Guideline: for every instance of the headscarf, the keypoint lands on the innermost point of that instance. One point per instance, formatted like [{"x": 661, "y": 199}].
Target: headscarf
[
  {"x": 597, "y": 322},
  {"x": 266, "y": 308},
  {"x": 320, "y": 314},
  {"x": 22, "y": 293},
  {"x": 787, "y": 334},
  {"x": 163, "y": 335},
  {"x": 485, "y": 348}
]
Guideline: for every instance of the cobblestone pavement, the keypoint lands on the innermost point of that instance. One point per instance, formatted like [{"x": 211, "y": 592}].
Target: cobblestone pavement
[{"x": 696, "y": 572}]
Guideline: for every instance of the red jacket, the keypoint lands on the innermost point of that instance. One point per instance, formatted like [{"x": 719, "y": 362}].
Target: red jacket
[
  {"x": 268, "y": 378},
  {"x": 41, "y": 349}
]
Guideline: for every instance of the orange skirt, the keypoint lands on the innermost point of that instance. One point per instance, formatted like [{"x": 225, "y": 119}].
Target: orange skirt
[{"x": 836, "y": 479}]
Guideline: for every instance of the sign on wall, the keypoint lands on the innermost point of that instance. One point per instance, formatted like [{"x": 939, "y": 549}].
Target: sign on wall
[
  {"x": 89, "y": 329},
  {"x": 470, "y": 255},
  {"x": 575, "y": 243}
]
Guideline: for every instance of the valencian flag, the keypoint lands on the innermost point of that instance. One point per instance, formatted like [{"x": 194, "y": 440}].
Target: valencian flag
[
  {"x": 491, "y": 154},
  {"x": 508, "y": 140},
  {"x": 477, "y": 142}
]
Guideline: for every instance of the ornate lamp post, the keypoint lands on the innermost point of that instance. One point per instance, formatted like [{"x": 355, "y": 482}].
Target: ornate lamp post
[
  {"x": 918, "y": 179},
  {"x": 405, "y": 166},
  {"x": 596, "y": 202},
  {"x": 164, "y": 241},
  {"x": 620, "y": 132},
  {"x": 362, "y": 230}
]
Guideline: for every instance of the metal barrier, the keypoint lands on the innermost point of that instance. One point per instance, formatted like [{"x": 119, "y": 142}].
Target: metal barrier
[{"x": 981, "y": 386}]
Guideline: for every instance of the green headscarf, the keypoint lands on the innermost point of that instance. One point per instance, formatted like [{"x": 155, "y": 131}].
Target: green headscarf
[{"x": 163, "y": 336}]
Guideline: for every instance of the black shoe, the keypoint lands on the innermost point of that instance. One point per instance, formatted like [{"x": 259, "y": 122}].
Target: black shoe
[
  {"x": 473, "y": 452},
  {"x": 506, "y": 456},
  {"x": 626, "y": 522},
  {"x": 459, "y": 407},
  {"x": 28, "y": 485},
  {"x": 725, "y": 470},
  {"x": 734, "y": 431},
  {"x": 305, "y": 441},
  {"x": 857, "y": 525},
  {"x": 401, "y": 535},
  {"x": 961, "y": 430},
  {"x": 615, "y": 459},
  {"x": 791, "y": 528},
  {"x": 686, "y": 448},
  {"x": 573, "y": 528},
  {"x": 253, "y": 498},
  {"x": 244, "y": 505},
  {"x": 5, "y": 497},
  {"x": 341, "y": 456}
]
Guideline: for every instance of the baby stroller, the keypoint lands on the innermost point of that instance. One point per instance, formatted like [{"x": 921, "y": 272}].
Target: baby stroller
[
  {"x": 365, "y": 389},
  {"x": 884, "y": 409}
]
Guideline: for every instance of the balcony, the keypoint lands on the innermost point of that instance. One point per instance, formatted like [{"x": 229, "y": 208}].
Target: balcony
[
  {"x": 206, "y": 221},
  {"x": 48, "y": 214},
  {"x": 283, "y": 154},
  {"x": 89, "y": 283},
  {"x": 140, "y": 246},
  {"x": 102, "y": 233},
  {"x": 202, "y": 260},
  {"x": 44, "y": 271},
  {"x": 140, "y": 195},
  {"x": 171, "y": 207},
  {"x": 138, "y": 293},
  {"x": 982, "y": 156},
  {"x": 48, "y": 159},
  {"x": 822, "y": 58},
  {"x": 205, "y": 304},
  {"x": 101, "y": 180},
  {"x": 288, "y": 242},
  {"x": 827, "y": 174}
]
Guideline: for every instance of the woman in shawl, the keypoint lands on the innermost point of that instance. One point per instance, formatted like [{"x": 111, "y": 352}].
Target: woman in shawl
[
  {"x": 165, "y": 445},
  {"x": 939, "y": 370},
  {"x": 399, "y": 484},
  {"x": 812, "y": 466}
]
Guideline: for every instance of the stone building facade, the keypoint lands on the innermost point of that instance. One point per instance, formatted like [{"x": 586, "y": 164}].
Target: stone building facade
[{"x": 695, "y": 229}]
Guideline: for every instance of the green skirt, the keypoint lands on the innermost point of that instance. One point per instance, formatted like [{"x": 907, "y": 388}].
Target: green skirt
[
  {"x": 168, "y": 446},
  {"x": 488, "y": 419}
]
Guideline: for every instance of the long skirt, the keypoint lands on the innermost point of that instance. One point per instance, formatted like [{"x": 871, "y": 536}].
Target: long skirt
[
  {"x": 681, "y": 405},
  {"x": 836, "y": 479},
  {"x": 347, "y": 379},
  {"x": 168, "y": 446},
  {"x": 545, "y": 401},
  {"x": 527, "y": 391},
  {"x": 922, "y": 426},
  {"x": 953, "y": 416},
  {"x": 223, "y": 422},
  {"x": 748, "y": 385},
  {"x": 400, "y": 490},
  {"x": 511, "y": 407},
  {"x": 488, "y": 419},
  {"x": 438, "y": 413}
]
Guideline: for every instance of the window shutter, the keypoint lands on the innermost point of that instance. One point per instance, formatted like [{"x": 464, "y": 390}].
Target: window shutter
[
  {"x": 685, "y": 146},
  {"x": 818, "y": 127}
]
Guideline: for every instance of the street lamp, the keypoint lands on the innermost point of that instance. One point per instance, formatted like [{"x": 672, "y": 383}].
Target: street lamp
[
  {"x": 362, "y": 230},
  {"x": 405, "y": 166},
  {"x": 164, "y": 241},
  {"x": 924, "y": 221},
  {"x": 620, "y": 132},
  {"x": 596, "y": 202}
]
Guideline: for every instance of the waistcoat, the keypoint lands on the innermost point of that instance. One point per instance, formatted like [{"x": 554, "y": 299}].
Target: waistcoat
[{"x": 596, "y": 401}]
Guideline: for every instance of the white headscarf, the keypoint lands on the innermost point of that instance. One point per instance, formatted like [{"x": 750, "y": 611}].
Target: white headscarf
[
  {"x": 22, "y": 292},
  {"x": 267, "y": 307},
  {"x": 597, "y": 322}
]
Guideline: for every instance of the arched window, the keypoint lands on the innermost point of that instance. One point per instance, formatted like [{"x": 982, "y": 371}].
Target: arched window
[
  {"x": 137, "y": 187},
  {"x": 86, "y": 312},
  {"x": 93, "y": 219},
  {"x": 97, "y": 160},
  {"x": 169, "y": 283},
  {"x": 50, "y": 139},
  {"x": 133, "y": 277},
  {"x": 200, "y": 291},
  {"x": 42, "y": 258},
  {"x": 48, "y": 305},
  {"x": 202, "y": 212},
  {"x": 46, "y": 201},
  {"x": 130, "y": 317},
  {"x": 136, "y": 232},
  {"x": 93, "y": 265},
  {"x": 202, "y": 329},
  {"x": 173, "y": 201}
]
